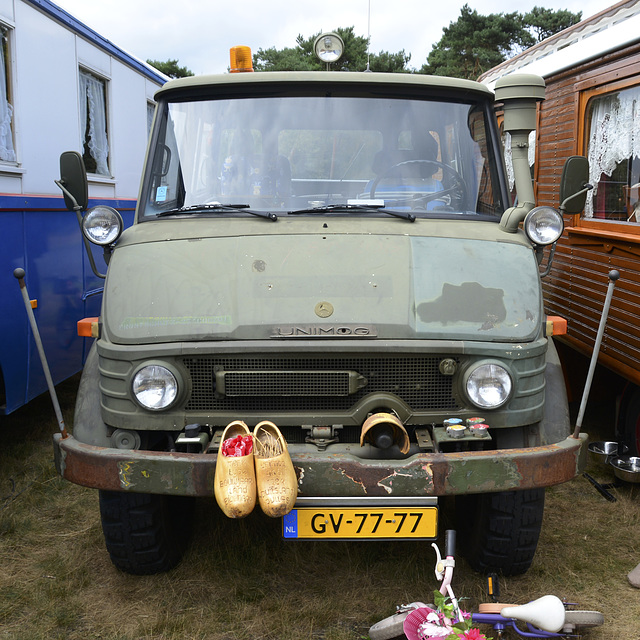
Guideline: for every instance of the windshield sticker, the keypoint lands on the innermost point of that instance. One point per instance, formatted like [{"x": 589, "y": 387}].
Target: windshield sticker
[
  {"x": 166, "y": 321},
  {"x": 161, "y": 194}
]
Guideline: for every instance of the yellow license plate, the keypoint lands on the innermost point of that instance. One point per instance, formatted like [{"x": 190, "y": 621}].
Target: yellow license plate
[{"x": 361, "y": 524}]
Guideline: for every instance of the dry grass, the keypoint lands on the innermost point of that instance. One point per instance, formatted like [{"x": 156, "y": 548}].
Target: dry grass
[{"x": 240, "y": 580}]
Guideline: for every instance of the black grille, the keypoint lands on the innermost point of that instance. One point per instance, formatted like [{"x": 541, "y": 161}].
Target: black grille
[
  {"x": 415, "y": 379},
  {"x": 286, "y": 383}
]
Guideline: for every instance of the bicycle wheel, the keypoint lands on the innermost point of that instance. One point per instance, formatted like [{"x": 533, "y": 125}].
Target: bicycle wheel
[
  {"x": 583, "y": 619},
  {"x": 391, "y": 627}
]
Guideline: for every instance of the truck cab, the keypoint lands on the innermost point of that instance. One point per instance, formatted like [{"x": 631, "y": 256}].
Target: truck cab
[{"x": 338, "y": 254}]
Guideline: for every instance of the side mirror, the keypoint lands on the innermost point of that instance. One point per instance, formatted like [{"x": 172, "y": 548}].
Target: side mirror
[
  {"x": 574, "y": 185},
  {"x": 73, "y": 181}
]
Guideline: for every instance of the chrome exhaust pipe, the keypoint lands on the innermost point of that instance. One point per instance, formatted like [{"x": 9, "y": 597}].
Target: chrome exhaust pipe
[{"x": 383, "y": 430}]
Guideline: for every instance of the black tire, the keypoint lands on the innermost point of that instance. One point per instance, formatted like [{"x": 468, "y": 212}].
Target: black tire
[
  {"x": 583, "y": 619},
  {"x": 500, "y": 531},
  {"x": 145, "y": 533}
]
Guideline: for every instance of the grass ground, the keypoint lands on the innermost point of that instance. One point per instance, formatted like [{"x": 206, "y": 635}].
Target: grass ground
[{"x": 240, "y": 580}]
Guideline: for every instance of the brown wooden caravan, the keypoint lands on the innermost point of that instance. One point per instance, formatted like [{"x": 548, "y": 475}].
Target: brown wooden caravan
[{"x": 592, "y": 108}]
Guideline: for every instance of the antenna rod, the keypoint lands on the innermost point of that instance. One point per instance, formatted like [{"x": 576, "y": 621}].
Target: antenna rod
[{"x": 369, "y": 36}]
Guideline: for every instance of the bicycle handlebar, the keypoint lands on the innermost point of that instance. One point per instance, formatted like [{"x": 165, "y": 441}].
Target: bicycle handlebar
[{"x": 450, "y": 543}]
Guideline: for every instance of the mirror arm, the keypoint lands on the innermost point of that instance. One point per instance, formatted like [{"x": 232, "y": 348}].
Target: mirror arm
[
  {"x": 76, "y": 206},
  {"x": 552, "y": 252},
  {"x": 586, "y": 188},
  {"x": 87, "y": 245}
]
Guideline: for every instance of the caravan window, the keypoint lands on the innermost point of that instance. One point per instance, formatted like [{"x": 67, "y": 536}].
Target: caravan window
[
  {"x": 7, "y": 152},
  {"x": 93, "y": 119},
  {"x": 612, "y": 138}
]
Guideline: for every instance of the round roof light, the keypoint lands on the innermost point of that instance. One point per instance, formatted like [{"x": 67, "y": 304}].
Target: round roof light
[{"x": 328, "y": 47}]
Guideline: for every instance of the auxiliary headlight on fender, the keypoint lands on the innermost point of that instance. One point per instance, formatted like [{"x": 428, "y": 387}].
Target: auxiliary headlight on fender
[
  {"x": 155, "y": 387},
  {"x": 543, "y": 225},
  {"x": 102, "y": 225},
  {"x": 488, "y": 385}
]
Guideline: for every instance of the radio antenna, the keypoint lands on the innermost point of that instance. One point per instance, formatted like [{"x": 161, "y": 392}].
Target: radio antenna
[{"x": 368, "y": 38}]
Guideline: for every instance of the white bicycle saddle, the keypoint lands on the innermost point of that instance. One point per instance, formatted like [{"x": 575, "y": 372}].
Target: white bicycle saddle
[{"x": 546, "y": 613}]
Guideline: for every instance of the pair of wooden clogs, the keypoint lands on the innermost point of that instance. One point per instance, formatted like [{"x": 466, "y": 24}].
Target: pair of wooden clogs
[{"x": 266, "y": 473}]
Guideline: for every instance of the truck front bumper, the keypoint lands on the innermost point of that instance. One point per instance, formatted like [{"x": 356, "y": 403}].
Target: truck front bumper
[{"x": 330, "y": 475}]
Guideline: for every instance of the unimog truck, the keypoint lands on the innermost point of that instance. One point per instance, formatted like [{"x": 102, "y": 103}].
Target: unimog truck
[{"x": 339, "y": 254}]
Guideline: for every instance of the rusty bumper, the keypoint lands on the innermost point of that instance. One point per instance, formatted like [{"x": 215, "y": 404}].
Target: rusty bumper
[{"x": 331, "y": 475}]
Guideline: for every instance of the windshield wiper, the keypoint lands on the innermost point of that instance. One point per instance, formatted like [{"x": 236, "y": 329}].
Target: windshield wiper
[
  {"x": 406, "y": 215},
  {"x": 216, "y": 206}
]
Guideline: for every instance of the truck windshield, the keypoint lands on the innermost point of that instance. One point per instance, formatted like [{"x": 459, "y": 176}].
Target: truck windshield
[{"x": 325, "y": 155}]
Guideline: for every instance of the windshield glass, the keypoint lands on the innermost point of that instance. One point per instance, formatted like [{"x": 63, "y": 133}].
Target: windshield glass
[{"x": 301, "y": 155}]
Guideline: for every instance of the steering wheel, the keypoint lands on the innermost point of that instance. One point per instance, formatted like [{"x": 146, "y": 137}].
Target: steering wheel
[{"x": 457, "y": 188}]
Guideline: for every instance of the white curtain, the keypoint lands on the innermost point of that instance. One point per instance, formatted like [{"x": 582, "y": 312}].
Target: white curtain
[
  {"x": 92, "y": 95},
  {"x": 614, "y": 136},
  {"x": 7, "y": 152},
  {"x": 508, "y": 156}
]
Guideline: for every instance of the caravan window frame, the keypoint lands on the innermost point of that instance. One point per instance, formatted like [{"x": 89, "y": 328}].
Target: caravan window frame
[
  {"x": 85, "y": 126},
  {"x": 586, "y": 99},
  {"x": 7, "y": 107}
]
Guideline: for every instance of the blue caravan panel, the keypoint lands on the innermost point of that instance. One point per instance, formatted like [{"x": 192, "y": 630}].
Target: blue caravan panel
[{"x": 40, "y": 235}]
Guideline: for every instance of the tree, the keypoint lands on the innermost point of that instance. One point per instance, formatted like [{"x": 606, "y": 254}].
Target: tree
[
  {"x": 170, "y": 68},
  {"x": 302, "y": 57},
  {"x": 476, "y": 43},
  {"x": 546, "y": 22}
]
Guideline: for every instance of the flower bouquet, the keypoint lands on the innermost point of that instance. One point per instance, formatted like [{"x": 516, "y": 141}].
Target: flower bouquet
[{"x": 444, "y": 621}]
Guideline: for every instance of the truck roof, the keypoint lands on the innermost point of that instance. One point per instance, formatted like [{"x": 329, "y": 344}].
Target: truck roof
[{"x": 257, "y": 81}]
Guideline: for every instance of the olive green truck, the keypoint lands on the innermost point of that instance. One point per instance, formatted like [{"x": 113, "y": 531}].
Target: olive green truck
[{"x": 339, "y": 254}]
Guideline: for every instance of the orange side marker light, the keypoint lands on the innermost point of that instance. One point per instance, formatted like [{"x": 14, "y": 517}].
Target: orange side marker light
[{"x": 89, "y": 328}]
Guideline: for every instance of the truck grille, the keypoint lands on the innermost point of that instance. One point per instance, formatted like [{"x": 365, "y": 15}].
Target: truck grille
[{"x": 315, "y": 383}]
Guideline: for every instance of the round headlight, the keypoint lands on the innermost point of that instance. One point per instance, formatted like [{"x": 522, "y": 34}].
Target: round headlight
[
  {"x": 489, "y": 386},
  {"x": 328, "y": 47},
  {"x": 543, "y": 225},
  {"x": 155, "y": 387},
  {"x": 102, "y": 225}
]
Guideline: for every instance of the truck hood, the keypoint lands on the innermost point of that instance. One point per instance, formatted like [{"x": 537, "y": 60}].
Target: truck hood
[{"x": 277, "y": 287}]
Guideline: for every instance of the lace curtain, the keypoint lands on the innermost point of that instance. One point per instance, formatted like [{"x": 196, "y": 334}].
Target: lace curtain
[
  {"x": 614, "y": 136},
  {"x": 7, "y": 152},
  {"x": 508, "y": 157},
  {"x": 93, "y": 113}
]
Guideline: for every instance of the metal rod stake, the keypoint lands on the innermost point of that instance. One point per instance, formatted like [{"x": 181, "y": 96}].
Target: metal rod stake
[
  {"x": 19, "y": 275},
  {"x": 613, "y": 276}
]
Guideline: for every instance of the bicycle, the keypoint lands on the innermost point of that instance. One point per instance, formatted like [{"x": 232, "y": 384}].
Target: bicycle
[{"x": 545, "y": 617}]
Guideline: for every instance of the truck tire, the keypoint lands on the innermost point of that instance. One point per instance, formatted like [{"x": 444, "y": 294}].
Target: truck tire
[
  {"x": 145, "y": 533},
  {"x": 500, "y": 531}
]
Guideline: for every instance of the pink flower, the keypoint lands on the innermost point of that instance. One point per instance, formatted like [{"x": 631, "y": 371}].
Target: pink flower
[
  {"x": 238, "y": 446},
  {"x": 472, "y": 634}
]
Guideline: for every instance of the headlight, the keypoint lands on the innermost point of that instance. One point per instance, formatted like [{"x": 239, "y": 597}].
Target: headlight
[
  {"x": 102, "y": 225},
  {"x": 489, "y": 386},
  {"x": 543, "y": 225},
  {"x": 155, "y": 387}
]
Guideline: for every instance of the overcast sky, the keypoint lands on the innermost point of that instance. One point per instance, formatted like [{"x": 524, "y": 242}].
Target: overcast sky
[{"x": 200, "y": 33}]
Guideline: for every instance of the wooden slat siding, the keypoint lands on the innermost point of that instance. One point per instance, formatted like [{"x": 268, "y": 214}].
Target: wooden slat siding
[{"x": 577, "y": 285}]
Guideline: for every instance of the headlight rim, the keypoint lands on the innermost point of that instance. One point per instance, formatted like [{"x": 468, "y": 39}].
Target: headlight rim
[
  {"x": 117, "y": 224},
  {"x": 473, "y": 369},
  {"x": 179, "y": 383},
  {"x": 530, "y": 220}
]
